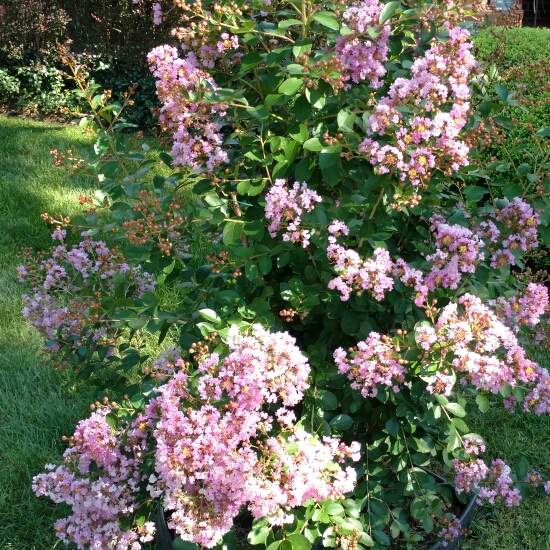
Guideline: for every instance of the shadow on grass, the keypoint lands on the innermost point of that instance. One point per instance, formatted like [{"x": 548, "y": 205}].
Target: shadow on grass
[{"x": 30, "y": 184}]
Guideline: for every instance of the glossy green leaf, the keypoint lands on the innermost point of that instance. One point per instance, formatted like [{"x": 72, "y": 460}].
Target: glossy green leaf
[
  {"x": 327, "y": 400},
  {"x": 232, "y": 233},
  {"x": 299, "y": 542},
  {"x": 179, "y": 544},
  {"x": 456, "y": 409},
  {"x": 521, "y": 468},
  {"x": 326, "y": 18},
  {"x": 341, "y": 422},
  {"x": 387, "y": 12},
  {"x": 210, "y": 315},
  {"x": 291, "y": 86},
  {"x": 482, "y": 403}
]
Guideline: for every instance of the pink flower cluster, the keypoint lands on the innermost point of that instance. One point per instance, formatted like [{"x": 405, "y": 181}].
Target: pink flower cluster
[
  {"x": 99, "y": 481},
  {"x": 197, "y": 139},
  {"x": 167, "y": 363},
  {"x": 215, "y": 451},
  {"x": 489, "y": 482},
  {"x": 157, "y": 14},
  {"x": 355, "y": 273},
  {"x": 473, "y": 445},
  {"x": 525, "y": 309},
  {"x": 486, "y": 352},
  {"x": 374, "y": 362},
  {"x": 284, "y": 209},
  {"x": 457, "y": 252},
  {"x": 451, "y": 530},
  {"x": 209, "y": 54},
  {"x": 538, "y": 399},
  {"x": 428, "y": 138},
  {"x": 91, "y": 265},
  {"x": 520, "y": 223},
  {"x": 206, "y": 460},
  {"x": 363, "y": 57}
]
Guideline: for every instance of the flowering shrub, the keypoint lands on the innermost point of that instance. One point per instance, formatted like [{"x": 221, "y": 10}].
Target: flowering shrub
[
  {"x": 215, "y": 451},
  {"x": 366, "y": 300},
  {"x": 70, "y": 289}
]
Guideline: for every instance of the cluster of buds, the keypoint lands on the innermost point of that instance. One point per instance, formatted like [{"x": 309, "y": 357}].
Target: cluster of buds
[
  {"x": 219, "y": 261},
  {"x": 155, "y": 223},
  {"x": 330, "y": 70},
  {"x": 202, "y": 349},
  {"x": 288, "y": 315},
  {"x": 329, "y": 140},
  {"x": 97, "y": 406}
]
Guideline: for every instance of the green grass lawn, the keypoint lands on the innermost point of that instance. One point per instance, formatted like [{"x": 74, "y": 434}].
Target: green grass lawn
[
  {"x": 35, "y": 411},
  {"x": 39, "y": 404}
]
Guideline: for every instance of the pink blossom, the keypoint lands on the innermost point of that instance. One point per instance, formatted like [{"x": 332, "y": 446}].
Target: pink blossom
[{"x": 285, "y": 208}]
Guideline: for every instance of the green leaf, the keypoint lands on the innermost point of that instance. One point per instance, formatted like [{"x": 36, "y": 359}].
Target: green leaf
[
  {"x": 544, "y": 234},
  {"x": 313, "y": 144},
  {"x": 232, "y": 233},
  {"x": 166, "y": 158},
  {"x": 251, "y": 270},
  {"x": 460, "y": 425},
  {"x": 341, "y": 422},
  {"x": 302, "y": 46},
  {"x": 327, "y": 400},
  {"x": 259, "y": 534},
  {"x": 265, "y": 264},
  {"x": 511, "y": 191},
  {"x": 393, "y": 427},
  {"x": 387, "y": 12},
  {"x": 112, "y": 420},
  {"x": 304, "y": 169},
  {"x": 261, "y": 113},
  {"x": 544, "y": 131},
  {"x": 285, "y": 23},
  {"x": 327, "y": 19},
  {"x": 351, "y": 322},
  {"x": 459, "y": 218},
  {"x": 334, "y": 509},
  {"x": 366, "y": 540},
  {"x": 521, "y": 467},
  {"x": 291, "y": 86},
  {"x": 249, "y": 61},
  {"x": 346, "y": 119},
  {"x": 502, "y": 91},
  {"x": 381, "y": 537},
  {"x": 299, "y": 542},
  {"x": 454, "y": 443},
  {"x": 456, "y": 409},
  {"x": 210, "y": 315},
  {"x": 474, "y": 193},
  {"x": 482, "y": 403},
  {"x": 523, "y": 169},
  {"x": 298, "y": 132},
  {"x": 254, "y": 229},
  {"x": 179, "y": 544}
]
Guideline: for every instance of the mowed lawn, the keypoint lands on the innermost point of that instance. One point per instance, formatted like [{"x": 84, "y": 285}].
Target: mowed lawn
[{"x": 39, "y": 404}]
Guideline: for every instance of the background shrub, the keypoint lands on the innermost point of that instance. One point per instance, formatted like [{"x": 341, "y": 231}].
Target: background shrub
[
  {"x": 520, "y": 57},
  {"x": 517, "y": 59},
  {"x": 111, "y": 38}
]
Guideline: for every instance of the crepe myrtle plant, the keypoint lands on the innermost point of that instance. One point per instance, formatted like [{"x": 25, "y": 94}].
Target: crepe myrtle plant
[{"x": 368, "y": 296}]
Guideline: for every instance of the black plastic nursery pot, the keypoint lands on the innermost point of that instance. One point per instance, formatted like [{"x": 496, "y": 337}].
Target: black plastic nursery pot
[
  {"x": 465, "y": 518},
  {"x": 164, "y": 538}
]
